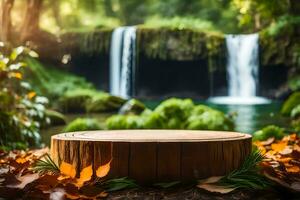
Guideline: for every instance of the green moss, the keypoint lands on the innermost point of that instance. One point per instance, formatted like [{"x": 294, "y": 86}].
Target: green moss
[
  {"x": 83, "y": 124},
  {"x": 209, "y": 120},
  {"x": 174, "y": 114},
  {"x": 76, "y": 100},
  {"x": 290, "y": 103},
  {"x": 89, "y": 100},
  {"x": 103, "y": 102},
  {"x": 55, "y": 117},
  {"x": 267, "y": 132}
]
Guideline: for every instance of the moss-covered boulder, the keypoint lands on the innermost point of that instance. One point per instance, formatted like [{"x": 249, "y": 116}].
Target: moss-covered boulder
[
  {"x": 103, "y": 102},
  {"x": 174, "y": 114},
  {"x": 290, "y": 104},
  {"x": 89, "y": 100},
  {"x": 267, "y": 132},
  {"x": 56, "y": 118},
  {"x": 209, "y": 120},
  {"x": 117, "y": 122},
  {"x": 83, "y": 124},
  {"x": 76, "y": 100},
  {"x": 132, "y": 106}
]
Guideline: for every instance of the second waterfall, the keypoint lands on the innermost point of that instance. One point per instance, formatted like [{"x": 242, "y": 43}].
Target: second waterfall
[{"x": 123, "y": 61}]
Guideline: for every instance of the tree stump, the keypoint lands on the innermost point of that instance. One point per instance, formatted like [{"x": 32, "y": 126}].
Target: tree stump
[{"x": 151, "y": 156}]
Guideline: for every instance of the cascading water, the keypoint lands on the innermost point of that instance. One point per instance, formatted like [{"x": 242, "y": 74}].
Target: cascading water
[
  {"x": 242, "y": 71},
  {"x": 122, "y": 61}
]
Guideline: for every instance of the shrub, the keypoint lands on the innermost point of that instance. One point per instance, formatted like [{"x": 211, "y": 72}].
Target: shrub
[
  {"x": 267, "y": 132},
  {"x": 295, "y": 112},
  {"x": 83, "y": 124},
  {"x": 55, "y": 117},
  {"x": 22, "y": 111}
]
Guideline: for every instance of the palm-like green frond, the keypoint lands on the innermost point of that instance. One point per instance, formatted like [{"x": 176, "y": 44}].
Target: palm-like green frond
[{"x": 46, "y": 164}]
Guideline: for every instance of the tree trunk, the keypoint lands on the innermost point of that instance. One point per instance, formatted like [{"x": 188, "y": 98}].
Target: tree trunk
[
  {"x": 5, "y": 20},
  {"x": 30, "y": 25}
]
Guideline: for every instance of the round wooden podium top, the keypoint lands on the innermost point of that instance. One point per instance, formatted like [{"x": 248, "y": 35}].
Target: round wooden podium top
[{"x": 152, "y": 136}]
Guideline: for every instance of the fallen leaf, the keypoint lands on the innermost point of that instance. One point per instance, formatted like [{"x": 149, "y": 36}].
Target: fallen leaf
[
  {"x": 215, "y": 188},
  {"x": 24, "y": 180},
  {"x": 85, "y": 175},
  {"x": 287, "y": 150},
  {"x": 21, "y": 160},
  {"x": 67, "y": 169},
  {"x": 213, "y": 179},
  {"x": 268, "y": 141},
  {"x": 278, "y": 146},
  {"x": 103, "y": 170},
  {"x": 294, "y": 169}
]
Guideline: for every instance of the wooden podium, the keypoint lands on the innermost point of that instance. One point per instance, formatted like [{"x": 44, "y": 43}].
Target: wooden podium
[{"x": 152, "y": 156}]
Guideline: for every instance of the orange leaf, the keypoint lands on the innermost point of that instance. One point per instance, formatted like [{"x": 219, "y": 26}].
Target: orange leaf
[
  {"x": 279, "y": 146},
  {"x": 103, "y": 170},
  {"x": 85, "y": 175},
  {"x": 294, "y": 169},
  {"x": 30, "y": 95},
  {"x": 67, "y": 169},
  {"x": 21, "y": 160}
]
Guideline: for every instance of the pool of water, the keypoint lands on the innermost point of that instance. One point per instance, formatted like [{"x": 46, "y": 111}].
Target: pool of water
[{"x": 248, "y": 118}]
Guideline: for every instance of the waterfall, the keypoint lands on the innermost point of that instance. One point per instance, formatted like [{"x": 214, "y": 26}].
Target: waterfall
[
  {"x": 242, "y": 70},
  {"x": 122, "y": 61},
  {"x": 242, "y": 66}
]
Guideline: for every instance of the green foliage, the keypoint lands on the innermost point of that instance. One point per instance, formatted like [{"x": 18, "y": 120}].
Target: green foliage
[
  {"x": 51, "y": 82},
  {"x": 179, "y": 23},
  {"x": 83, "y": 124},
  {"x": 267, "y": 132},
  {"x": 248, "y": 175},
  {"x": 173, "y": 114},
  {"x": 290, "y": 103},
  {"x": 55, "y": 117},
  {"x": 296, "y": 112},
  {"x": 45, "y": 165},
  {"x": 21, "y": 111}
]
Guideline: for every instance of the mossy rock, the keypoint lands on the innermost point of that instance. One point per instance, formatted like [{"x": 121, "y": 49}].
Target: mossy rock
[
  {"x": 104, "y": 102},
  {"x": 267, "y": 132},
  {"x": 290, "y": 104},
  {"x": 132, "y": 106},
  {"x": 56, "y": 118},
  {"x": 76, "y": 100},
  {"x": 89, "y": 100},
  {"x": 209, "y": 120},
  {"x": 174, "y": 114},
  {"x": 83, "y": 124}
]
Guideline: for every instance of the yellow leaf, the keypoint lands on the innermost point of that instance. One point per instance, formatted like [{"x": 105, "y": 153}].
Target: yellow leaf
[
  {"x": 30, "y": 95},
  {"x": 67, "y": 169},
  {"x": 17, "y": 75},
  {"x": 85, "y": 175},
  {"x": 103, "y": 170}
]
